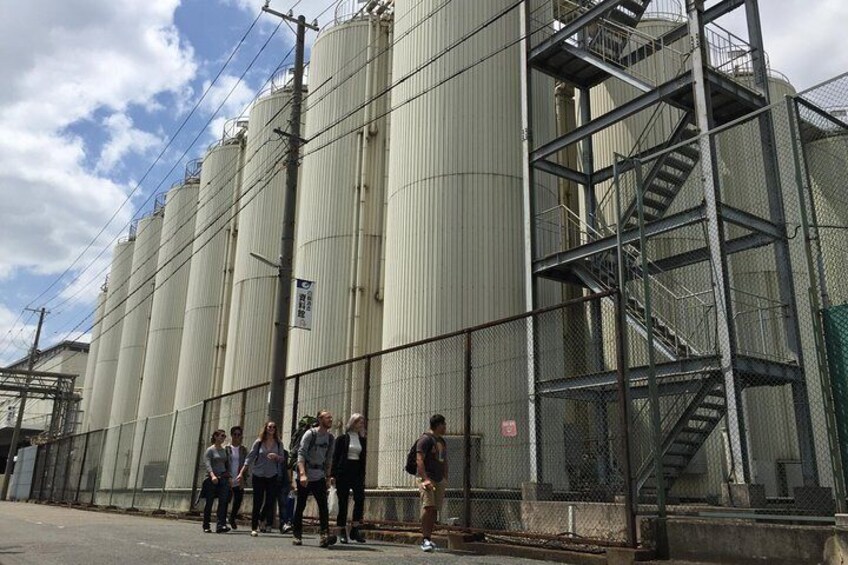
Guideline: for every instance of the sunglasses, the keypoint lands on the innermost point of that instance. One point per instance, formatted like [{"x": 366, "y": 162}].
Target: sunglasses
[
  {"x": 272, "y": 426},
  {"x": 237, "y": 434}
]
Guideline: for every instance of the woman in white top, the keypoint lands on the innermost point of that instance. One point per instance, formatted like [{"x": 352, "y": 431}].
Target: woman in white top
[{"x": 349, "y": 473}]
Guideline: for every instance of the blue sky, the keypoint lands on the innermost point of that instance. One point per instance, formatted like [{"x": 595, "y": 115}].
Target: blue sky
[{"x": 96, "y": 88}]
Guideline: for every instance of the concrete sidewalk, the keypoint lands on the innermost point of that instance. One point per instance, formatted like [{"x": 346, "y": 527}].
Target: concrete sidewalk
[{"x": 44, "y": 535}]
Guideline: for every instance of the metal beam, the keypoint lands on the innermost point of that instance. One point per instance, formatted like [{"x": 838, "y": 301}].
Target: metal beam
[
  {"x": 561, "y": 171},
  {"x": 662, "y": 92},
  {"x": 749, "y": 221},
  {"x": 693, "y": 367},
  {"x": 574, "y": 26},
  {"x": 666, "y": 224},
  {"x": 611, "y": 69},
  {"x": 744, "y": 243}
]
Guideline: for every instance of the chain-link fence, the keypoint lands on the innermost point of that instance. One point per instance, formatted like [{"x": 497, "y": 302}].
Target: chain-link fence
[{"x": 534, "y": 449}]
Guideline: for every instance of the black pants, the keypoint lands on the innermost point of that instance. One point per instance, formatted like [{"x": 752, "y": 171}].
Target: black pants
[
  {"x": 285, "y": 511},
  {"x": 264, "y": 499},
  {"x": 318, "y": 489},
  {"x": 351, "y": 479},
  {"x": 221, "y": 492},
  {"x": 238, "y": 496}
]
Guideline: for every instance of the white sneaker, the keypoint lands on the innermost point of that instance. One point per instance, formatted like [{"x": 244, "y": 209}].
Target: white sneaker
[
  {"x": 254, "y": 533},
  {"x": 428, "y": 546}
]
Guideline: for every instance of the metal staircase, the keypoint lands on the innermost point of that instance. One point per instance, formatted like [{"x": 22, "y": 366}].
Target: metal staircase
[
  {"x": 592, "y": 41},
  {"x": 684, "y": 436},
  {"x": 666, "y": 177}
]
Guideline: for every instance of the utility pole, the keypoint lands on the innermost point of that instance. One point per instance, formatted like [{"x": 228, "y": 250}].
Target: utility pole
[
  {"x": 16, "y": 434},
  {"x": 285, "y": 267}
]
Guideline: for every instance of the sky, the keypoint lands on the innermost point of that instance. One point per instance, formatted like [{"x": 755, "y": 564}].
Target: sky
[{"x": 95, "y": 91}]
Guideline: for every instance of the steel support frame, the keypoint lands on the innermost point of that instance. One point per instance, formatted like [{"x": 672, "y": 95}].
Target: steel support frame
[
  {"x": 783, "y": 260},
  {"x": 725, "y": 332},
  {"x": 661, "y": 93}
]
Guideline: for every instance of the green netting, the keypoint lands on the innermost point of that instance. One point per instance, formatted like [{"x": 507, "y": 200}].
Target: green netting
[{"x": 836, "y": 340}]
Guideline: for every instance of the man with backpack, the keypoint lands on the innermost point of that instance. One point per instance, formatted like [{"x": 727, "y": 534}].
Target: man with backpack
[
  {"x": 314, "y": 458},
  {"x": 432, "y": 472}
]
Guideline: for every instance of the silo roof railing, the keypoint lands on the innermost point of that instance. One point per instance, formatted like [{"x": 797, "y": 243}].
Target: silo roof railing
[
  {"x": 668, "y": 10},
  {"x": 282, "y": 80},
  {"x": 348, "y": 10},
  {"x": 192, "y": 170}
]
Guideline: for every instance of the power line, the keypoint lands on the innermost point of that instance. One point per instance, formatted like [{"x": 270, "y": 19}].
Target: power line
[
  {"x": 155, "y": 161},
  {"x": 383, "y": 93}
]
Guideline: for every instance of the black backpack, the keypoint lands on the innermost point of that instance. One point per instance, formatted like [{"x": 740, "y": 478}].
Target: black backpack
[{"x": 411, "y": 466}]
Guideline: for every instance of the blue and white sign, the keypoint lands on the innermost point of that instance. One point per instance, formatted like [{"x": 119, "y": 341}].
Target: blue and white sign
[{"x": 303, "y": 304}]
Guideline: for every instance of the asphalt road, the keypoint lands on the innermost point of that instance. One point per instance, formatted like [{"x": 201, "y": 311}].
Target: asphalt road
[{"x": 44, "y": 535}]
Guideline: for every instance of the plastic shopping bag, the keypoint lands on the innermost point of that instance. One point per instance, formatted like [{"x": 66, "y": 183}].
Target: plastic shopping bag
[{"x": 333, "y": 501}]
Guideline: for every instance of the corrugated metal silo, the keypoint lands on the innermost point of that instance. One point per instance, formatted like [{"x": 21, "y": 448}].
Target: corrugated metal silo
[
  {"x": 251, "y": 321},
  {"x": 137, "y": 320},
  {"x": 340, "y": 212},
  {"x": 205, "y": 326},
  {"x": 91, "y": 363},
  {"x": 162, "y": 357},
  {"x": 454, "y": 252},
  {"x": 110, "y": 337}
]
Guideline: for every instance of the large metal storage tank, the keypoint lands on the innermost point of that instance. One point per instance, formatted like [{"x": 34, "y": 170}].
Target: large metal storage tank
[
  {"x": 91, "y": 363},
  {"x": 110, "y": 337},
  {"x": 454, "y": 252},
  {"x": 340, "y": 212},
  {"x": 167, "y": 315},
  {"x": 205, "y": 327},
  {"x": 136, "y": 322},
  {"x": 251, "y": 321},
  {"x": 162, "y": 357}
]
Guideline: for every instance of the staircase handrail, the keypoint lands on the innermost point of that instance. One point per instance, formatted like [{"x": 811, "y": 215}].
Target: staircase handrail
[{"x": 661, "y": 293}]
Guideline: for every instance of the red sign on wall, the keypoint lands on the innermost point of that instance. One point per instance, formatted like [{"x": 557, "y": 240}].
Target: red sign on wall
[{"x": 509, "y": 428}]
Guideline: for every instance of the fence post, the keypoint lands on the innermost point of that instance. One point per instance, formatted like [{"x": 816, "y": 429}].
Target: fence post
[
  {"x": 466, "y": 468},
  {"x": 366, "y": 401},
  {"x": 168, "y": 460},
  {"x": 67, "y": 476},
  {"x": 100, "y": 466},
  {"x": 55, "y": 466},
  {"x": 295, "y": 401},
  {"x": 115, "y": 468},
  {"x": 138, "y": 465},
  {"x": 82, "y": 466},
  {"x": 244, "y": 409},
  {"x": 197, "y": 455},
  {"x": 624, "y": 416}
]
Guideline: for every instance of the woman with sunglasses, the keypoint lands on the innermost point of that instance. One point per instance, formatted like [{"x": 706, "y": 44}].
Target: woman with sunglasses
[
  {"x": 217, "y": 483},
  {"x": 349, "y": 474},
  {"x": 263, "y": 460}
]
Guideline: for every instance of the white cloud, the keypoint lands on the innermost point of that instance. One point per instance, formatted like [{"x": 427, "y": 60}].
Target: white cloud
[
  {"x": 801, "y": 37},
  {"x": 62, "y": 65},
  {"x": 232, "y": 105},
  {"x": 124, "y": 139}
]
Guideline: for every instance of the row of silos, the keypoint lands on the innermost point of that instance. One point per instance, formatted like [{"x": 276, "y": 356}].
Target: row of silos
[{"x": 450, "y": 199}]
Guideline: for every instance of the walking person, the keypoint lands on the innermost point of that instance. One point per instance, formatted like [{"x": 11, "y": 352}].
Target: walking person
[
  {"x": 262, "y": 460},
  {"x": 348, "y": 471},
  {"x": 431, "y": 458},
  {"x": 236, "y": 457},
  {"x": 314, "y": 459},
  {"x": 217, "y": 483}
]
